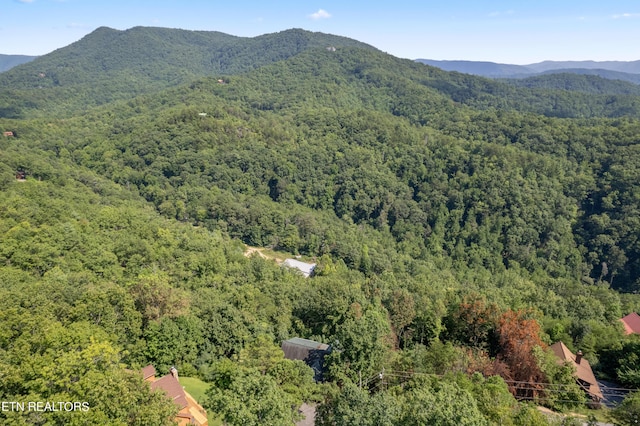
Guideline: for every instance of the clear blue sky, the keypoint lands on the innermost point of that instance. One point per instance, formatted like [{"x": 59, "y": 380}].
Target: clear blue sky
[{"x": 499, "y": 31}]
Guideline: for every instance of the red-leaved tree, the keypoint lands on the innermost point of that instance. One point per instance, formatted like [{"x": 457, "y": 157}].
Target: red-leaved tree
[{"x": 519, "y": 335}]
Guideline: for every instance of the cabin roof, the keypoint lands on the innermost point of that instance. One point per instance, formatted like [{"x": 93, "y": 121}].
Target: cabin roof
[
  {"x": 172, "y": 387},
  {"x": 583, "y": 368},
  {"x": 631, "y": 323}
]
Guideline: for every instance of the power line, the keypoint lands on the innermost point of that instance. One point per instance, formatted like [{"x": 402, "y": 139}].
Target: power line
[
  {"x": 544, "y": 387},
  {"x": 410, "y": 374}
]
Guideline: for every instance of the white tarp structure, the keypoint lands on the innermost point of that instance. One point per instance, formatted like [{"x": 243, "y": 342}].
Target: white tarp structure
[{"x": 305, "y": 268}]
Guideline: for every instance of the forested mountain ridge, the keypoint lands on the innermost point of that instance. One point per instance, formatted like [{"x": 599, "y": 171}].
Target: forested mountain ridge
[
  {"x": 163, "y": 54},
  {"x": 626, "y": 71},
  {"x": 607, "y": 74},
  {"x": 482, "y": 68},
  {"x": 456, "y": 228},
  {"x": 632, "y": 67},
  {"x": 404, "y": 84},
  {"x": 110, "y": 64},
  {"x": 352, "y": 80},
  {"x": 317, "y": 96},
  {"x": 573, "y": 80}
]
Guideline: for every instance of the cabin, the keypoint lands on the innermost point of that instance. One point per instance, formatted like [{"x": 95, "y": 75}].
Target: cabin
[
  {"x": 305, "y": 268},
  {"x": 191, "y": 413},
  {"x": 309, "y": 351},
  {"x": 584, "y": 375},
  {"x": 631, "y": 323},
  {"x": 8, "y": 134}
]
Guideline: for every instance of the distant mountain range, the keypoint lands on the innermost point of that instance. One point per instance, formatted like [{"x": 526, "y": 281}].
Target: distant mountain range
[
  {"x": 109, "y": 65},
  {"x": 9, "y": 61},
  {"x": 632, "y": 67},
  {"x": 617, "y": 70}
]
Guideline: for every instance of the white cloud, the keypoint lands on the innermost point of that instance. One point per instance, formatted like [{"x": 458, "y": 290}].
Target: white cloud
[
  {"x": 25, "y": 1},
  {"x": 626, "y": 15},
  {"x": 320, "y": 14}
]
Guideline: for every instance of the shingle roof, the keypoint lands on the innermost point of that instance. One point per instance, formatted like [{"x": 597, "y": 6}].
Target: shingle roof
[
  {"x": 148, "y": 371},
  {"x": 309, "y": 351},
  {"x": 190, "y": 411},
  {"x": 172, "y": 387},
  {"x": 631, "y": 323},
  {"x": 583, "y": 369},
  {"x": 310, "y": 344}
]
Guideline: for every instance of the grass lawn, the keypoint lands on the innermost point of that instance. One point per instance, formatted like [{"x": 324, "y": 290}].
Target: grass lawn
[{"x": 195, "y": 387}]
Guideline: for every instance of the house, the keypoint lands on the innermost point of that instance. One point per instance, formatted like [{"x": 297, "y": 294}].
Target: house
[
  {"x": 309, "y": 351},
  {"x": 305, "y": 268},
  {"x": 9, "y": 134},
  {"x": 191, "y": 413},
  {"x": 631, "y": 323},
  {"x": 584, "y": 374}
]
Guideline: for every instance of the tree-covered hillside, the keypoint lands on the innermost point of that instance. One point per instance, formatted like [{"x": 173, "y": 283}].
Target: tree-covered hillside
[
  {"x": 397, "y": 138},
  {"x": 584, "y": 83},
  {"x": 110, "y": 64},
  {"x": 460, "y": 226}
]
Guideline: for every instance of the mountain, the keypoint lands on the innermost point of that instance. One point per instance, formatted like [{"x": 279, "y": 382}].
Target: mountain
[
  {"x": 579, "y": 81},
  {"x": 9, "y": 61},
  {"x": 626, "y": 71},
  {"x": 110, "y": 64},
  {"x": 631, "y": 67},
  {"x": 486, "y": 69},
  {"x": 289, "y": 138},
  {"x": 163, "y": 55},
  {"x": 608, "y": 74}
]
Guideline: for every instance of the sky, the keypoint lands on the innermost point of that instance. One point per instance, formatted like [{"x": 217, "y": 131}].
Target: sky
[{"x": 513, "y": 32}]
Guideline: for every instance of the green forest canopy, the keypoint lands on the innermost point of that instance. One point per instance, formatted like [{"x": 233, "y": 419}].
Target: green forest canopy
[{"x": 427, "y": 198}]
